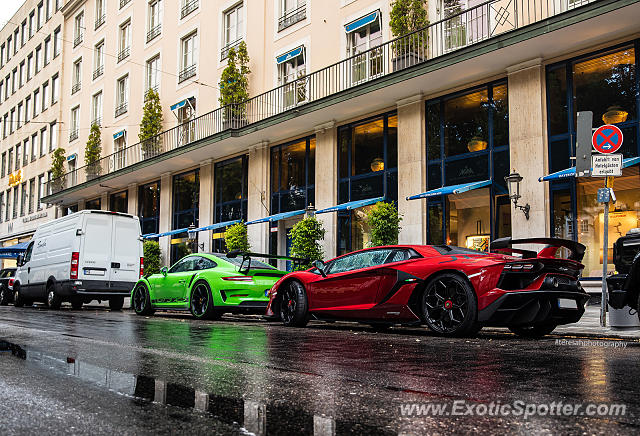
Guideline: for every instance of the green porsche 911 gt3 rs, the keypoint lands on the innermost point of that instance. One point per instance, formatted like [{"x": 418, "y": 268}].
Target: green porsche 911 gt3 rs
[{"x": 208, "y": 284}]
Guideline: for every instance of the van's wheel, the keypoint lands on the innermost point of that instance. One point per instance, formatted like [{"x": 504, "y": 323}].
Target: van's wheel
[
  {"x": 141, "y": 301},
  {"x": 19, "y": 300},
  {"x": 201, "y": 302},
  {"x": 294, "y": 306},
  {"x": 53, "y": 299},
  {"x": 116, "y": 303},
  {"x": 533, "y": 331},
  {"x": 4, "y": 296},
  {"x": 76, "y": 303},
  {"x": 449, "y": 306}
]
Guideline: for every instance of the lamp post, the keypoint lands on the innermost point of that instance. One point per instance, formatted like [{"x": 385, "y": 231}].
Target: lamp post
[
  {"x": 192, "y": 238},
  {"x": 513, "y": 183}
]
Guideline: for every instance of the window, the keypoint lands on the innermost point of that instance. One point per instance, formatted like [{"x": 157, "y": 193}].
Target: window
[
  {"x": 23, "y": 202},
  {"x": 53, "y": 136},
  {"x": 231, "y": 179},
  {"x": 8, "y": 209},
  {"x": 77, "y": 76},
  {"x": 189, "y": 57},
  {"x": 27, "y": 109},
  {"x": 149, "y": 207},
  {"x": 25, "y": 152},
  {"x": 290, "y": 73},
  {"x": 96, "y": 109},
  {"x": 124, "y": 44},
  {"x": 3, "y": 167},
  {"x": 55, "y": 88},
  {"x": 119, "y": 202},
  {"x": 36, "y": 103},
  {"x": 98, "y": 60},
  {"x": 292, "y": 11},
  {"x": 154, "y": 25},
  {"x": 5, "y": 125},
  {"x": 360, "y": 40},
  {"x": 32, "y": 24},
  {"x": 40, "y": 15},
  {"x": 75, "y": 119},
  {"x": 153, "y": 73},
  {"x": 45, "y": 95},
  {"x": 18, "y": 156},
  {"x": 94, "y": 204},
  {"x": 43, "y": 141},
  {"x": 34, "y": 147},
  {"x": 16, "y": 38},
  {"x": 41, "y": 189},
  {"x": 47, "y": 50},
  {"x": 122, "y": 95},
  {"x": 120, "y": 155},
  {"x": 293, "y": 175},
  {"x": 189, "y": 6},
  {"x": 22, "y": 75},
  {"x": 1, "y": 206},
  {"x": 72, "y": 170},
  {"x": 186, "y": 195},
  {"x": 23, "y": 33},
  {"x": 1, "y": 90},
  {"x": 14, "y": 80},
  {"x": 7, "y": 86},
  {"x": 101, "y": 13},
  {"x": 30, "y": 67},
  {"x": 20, "y": 116},
  {"x": 186, "y": 130},
  {"x": 38, "y": 58},
  {"x": 15, "y": 202},
  {"x": 8, "y": 49},
  {"x": 32, "y": 190},
  {"x": 10, "y": 161},
  {"x": 12, "y": 118},
  {"x": 233, "y": 28},
  {"x": 49, "y": 9},
  {"x": 56, "y": 42},
  {"x": 78, "y": 29},
  {"x": 2, "y": 50}
]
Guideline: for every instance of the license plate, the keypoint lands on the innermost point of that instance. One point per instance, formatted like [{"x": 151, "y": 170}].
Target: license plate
[
  {"x": 566, "y": 303},
  {"x": 93, "y": 272}
]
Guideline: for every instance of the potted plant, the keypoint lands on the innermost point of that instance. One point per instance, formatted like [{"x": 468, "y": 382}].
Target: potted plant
[
  {"x": 384, "y": 222},
  {"x": 236, "y": 237},
  {"x": 151, "y": 125},
  {"x": 234, "y": 87},
  {"x": 92, "y": 152},
  {"x": 407, "y": 18},
  {"x": 304, "y": 236},
  {"x": 58, "y": 176},
  {"x": 152, "y": 257}
]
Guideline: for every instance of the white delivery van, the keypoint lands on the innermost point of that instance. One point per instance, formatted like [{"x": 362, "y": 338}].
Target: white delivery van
[{"x": 88, "y": 255}]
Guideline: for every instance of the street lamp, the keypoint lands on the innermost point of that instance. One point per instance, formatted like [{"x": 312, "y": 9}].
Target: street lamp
[
  {"x": 193, "y": 239},
  {"x": 513, "y": 183}
]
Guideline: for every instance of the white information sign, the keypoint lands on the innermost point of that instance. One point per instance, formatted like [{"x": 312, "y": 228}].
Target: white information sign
[{"x": 605, "y": 165}]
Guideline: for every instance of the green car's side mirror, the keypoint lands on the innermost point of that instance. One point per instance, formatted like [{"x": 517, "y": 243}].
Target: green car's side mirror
[{"x": 164, "y": 271}]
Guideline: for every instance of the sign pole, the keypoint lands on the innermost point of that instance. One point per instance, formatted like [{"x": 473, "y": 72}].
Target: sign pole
[{"x": 605, "y": 256}]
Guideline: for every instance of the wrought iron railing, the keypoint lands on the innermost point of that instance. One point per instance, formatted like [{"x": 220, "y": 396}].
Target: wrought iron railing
[
  {"x": 187, "y": 73},
  {"x": 289, "y": 18},
  {"x": 123, "y": 3},
  {"x": 78, "y": 40},
  {"x": 99, "y": 71},
  {"x": 224, "y": 53},
  {"x": 154, "y": 33},
  {"x": 189, "y": 7},
  {"x": 76, "y": 87},
  {"x": 457, "y": 31},
  {"x": 73, "y": 135},
  {"x": 124, "y": 53},
  {"x": 100, "y": 21},
  {"x": 121, "y": 109}
]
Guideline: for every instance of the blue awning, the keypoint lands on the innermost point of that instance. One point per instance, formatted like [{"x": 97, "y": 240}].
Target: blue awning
[
  {"x": 215, "y": 226},
  {"x": 361, "y": 22},
  {"x": 13, "y": 250},
  {"x": 453, "y": 189},
  {"x": 277, "y": 217},
  {"x": 118, "y": 134},
  {"x": 186, "y": 230},
  {"x": 571, "y": 172},
  {"x": 351, "y": 205},
  {"x": 180, "y": 104},
  {"x": 289, "y": 55}
]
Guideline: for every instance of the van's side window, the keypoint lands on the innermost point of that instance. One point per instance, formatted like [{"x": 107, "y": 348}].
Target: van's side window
[{"x": 27, "y": 254}]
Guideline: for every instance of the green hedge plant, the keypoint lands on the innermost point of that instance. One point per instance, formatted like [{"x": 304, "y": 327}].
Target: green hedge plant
[
  {"x": 384, "y": 221},
  {"x": 305, "y": 236},
  {"x": 152, "y": 257},
  {"x": 236, "y": 237}
]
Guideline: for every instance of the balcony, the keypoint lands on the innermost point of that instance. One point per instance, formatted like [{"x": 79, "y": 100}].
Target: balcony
[
  {"x": 123, "y": 3},
  {"x": 98, "y": 72},
  {"x": 122, "y": 108},
  {"x": 289, "y": 18},
  {"x": 225, "y": 50},
  {"x": 189, "y": 7},
  {"x": 154, "y": 33},
  {"x": 100, "y": 21},
  {"x": 123, "y": 54},
  {"x": 472, "y": 45},
  {"x": 96, "y": 121},
  {"x": 78, "y": 40},
  {"x": 73, "y": 135},
  {"x": 76, "y": 87},
  {"x": 187, "y": 73}
]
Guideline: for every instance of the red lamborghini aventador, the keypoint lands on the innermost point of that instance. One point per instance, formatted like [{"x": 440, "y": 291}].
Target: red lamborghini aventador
[{"x": 454, "y": 291}]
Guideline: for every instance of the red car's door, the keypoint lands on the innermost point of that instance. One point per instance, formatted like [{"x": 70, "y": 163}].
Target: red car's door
[{"x": 352, "y": 282}]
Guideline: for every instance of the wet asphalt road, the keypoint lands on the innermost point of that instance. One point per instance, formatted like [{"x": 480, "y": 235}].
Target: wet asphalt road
[{"x": 94, "y": 371}]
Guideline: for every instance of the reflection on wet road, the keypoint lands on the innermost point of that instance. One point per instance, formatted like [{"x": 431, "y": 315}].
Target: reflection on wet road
[{"x": 249, "y": 375}]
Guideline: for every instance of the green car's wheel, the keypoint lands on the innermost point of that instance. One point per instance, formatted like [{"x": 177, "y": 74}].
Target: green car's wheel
[
  {"x": 141, "y": 301},
  {"x": 294, "y": 306},
  {"x": 201, "y": 302}
]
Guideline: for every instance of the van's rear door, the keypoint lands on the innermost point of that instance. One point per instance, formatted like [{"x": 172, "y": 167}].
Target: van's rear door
[
  {"x": 125, "y": 249},
  {"x": 95, "y": 247}
]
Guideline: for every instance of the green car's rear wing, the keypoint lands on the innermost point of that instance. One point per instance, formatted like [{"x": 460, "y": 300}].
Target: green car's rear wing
[{"x": 246, "y": 257}]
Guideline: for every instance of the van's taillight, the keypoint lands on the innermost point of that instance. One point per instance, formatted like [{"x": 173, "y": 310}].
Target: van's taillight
[
  {"x": 75, "y": 257},
  {"x": 11, "y": 281},
  {"x": 141, "y": 267}
]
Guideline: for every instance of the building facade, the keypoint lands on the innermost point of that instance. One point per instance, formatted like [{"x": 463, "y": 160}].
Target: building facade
[
  {"x": 341, "y": 115},
  {"x": 30, "y": 86}
]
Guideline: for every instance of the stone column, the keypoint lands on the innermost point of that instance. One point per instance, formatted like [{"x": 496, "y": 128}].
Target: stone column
[
  {"x": 411, "y": 169},
  {"x": 104, "y": 201},
  {"x": 327, "y": 183},
  {"x": 165, "y": 216},
  {"x": 528, "y": 146},
  {"x": 132, "y": 198},
  {"x": 205, "y": 217},
  {"x": 258, "y": 196}
]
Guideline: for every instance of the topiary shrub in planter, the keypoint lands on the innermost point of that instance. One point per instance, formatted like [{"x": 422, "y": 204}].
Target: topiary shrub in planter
[
  {"x": 92, "y": 152},
  {"x": 234, "y": 87},
  {"x": 384, "y": 221},
  {"x": 57, "y": 170},
  {"x": 152, "y": 257},
  {"x": 151, "y": 125},
  {"x": 408, "y": 16},
  {"x": 304, "y": 236},
  {"x": 236, "y": 237}
]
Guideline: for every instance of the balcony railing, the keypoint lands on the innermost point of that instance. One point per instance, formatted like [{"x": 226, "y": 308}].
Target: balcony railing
[
  {"x": 73, "y": 135},
  {"x": 123, "y": 54},
  {"x": 96, "y": 121},
  {"x": 480, "y": 23},
  {"x": 76, "y": 87},
  {"x": 123, "y": 3},
  {"x": 100, "y": 21},
  {"x": 187, "y": 73},
  {"x": 289, "y": 18},
  {"x": 78, "y": 40},
  {"x": 98, "y": 72},
  {"x": 189, "y": 7},
  {"x": 121, "y": 109},
  {"x": 155, "y": 88},
  {"x": 224, "y": 53},
  {"x": 154, "y": 33}
]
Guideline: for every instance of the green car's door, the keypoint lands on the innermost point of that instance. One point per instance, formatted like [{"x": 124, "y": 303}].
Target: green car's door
[{"x": 170, "y": 290}]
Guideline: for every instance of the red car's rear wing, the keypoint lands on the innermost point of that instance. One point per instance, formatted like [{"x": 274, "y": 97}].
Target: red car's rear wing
[{"x": 552, "y": 245}]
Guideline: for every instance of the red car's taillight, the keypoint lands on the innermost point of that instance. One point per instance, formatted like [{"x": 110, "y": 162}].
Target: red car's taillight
[
  {"x": 519, "y": 266},
  {"x": 141, "y": 267},
  {"x": 238, "y": 279},
  {"x": 75, "y": 257}
]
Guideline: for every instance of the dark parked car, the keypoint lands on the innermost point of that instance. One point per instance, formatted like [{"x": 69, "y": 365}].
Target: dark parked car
[
  {"x": 6, "y": 296},
  {"x": 624, "y": 287}
]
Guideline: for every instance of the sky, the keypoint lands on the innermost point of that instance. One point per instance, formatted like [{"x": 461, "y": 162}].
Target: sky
[{"x": 7, "y": 9}]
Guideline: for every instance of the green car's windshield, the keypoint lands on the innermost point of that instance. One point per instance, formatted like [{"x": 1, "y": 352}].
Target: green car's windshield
[{"x": 237, "y": 261}]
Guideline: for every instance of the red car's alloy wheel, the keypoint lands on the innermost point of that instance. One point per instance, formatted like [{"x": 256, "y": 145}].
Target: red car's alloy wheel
[{"x": 446, "y": 305}]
